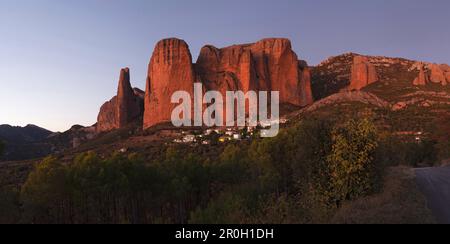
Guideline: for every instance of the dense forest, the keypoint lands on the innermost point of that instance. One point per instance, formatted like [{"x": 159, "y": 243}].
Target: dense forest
[{"x": 301, "y": 176}]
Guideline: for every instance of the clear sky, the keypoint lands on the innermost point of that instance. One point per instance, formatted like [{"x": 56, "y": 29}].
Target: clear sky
[{"x": 60, "y": 59}]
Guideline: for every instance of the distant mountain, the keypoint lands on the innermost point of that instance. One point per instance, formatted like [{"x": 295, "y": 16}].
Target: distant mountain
[
  {"x": 24, "y": 142},
  {"x": 27, "y": 134},
  {"x": 31, "y": 141}
]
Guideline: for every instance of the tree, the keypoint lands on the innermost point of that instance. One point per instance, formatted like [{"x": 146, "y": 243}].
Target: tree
[
  {"x": 44, "y": 192},
  {"x": 231, "y": 166},
  {"x": 351, "y": 162},
  {"x": 442, "y": 136}
]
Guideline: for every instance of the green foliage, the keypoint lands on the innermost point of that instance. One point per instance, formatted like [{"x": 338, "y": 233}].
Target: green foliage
[
  {"x": 293, "y": 158},
  {"x": 443, "y": 149},
  {"x": 228, "y": 208},
  {"x": 123, "y": 189},
  {"x": 9, "y": 206},
  {"x": 44, "y": 191},
  {"x": 393, "y": 151},
  {"x": 420, "y": 154},
  {"x": 351, "y": 162},
  {"x": 442, "y": 137},
  {"x": 301, "y": 176}
]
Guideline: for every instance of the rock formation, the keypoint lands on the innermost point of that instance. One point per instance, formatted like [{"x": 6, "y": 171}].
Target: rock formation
[
  {"x": 170, "y": 70},
  {"x": 106, "y": 119},
  {"x": 363, "y": 73},
  {"x": 446, "y": 69},
  {"x": 438, "y": 74},
  {"x": 305, "y": 84},
  {"x": 267, "y": 65},
  {"x": 123, "y": 109},
  {"x": 227, "y": 69},
  {"x": 277, "y": 65},
  {"x": 422, "y": 79}
]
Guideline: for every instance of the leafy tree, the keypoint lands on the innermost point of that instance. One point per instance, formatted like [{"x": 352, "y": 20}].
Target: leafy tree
[
  {"x": 44, "y": 192},
  {"x": 309, "y": 149},
  {"x": 351, "y": 162},
  {"x": 292, "y": 178},
  {"x": 442, "y": 136},
  {"x": 232, "y": 166}
]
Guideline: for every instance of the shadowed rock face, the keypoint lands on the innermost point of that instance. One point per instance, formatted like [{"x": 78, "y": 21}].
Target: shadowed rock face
[
  {"x": 305, "y": 85},
  {"x": 170, "y": 70},
  {"x": 123, "y": 109},
  {"x": 363, "y": 73},
  {"x": 422, "y": 79}
]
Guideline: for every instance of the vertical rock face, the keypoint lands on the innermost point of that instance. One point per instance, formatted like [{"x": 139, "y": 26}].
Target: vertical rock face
[
  {"x": 227, "y": 69},
  {"x": 446, "y": 69},
  {"x": 447, "y": 76},
  {"x": 363, "y": 73},
  {"x": 123, "y": 109},
  {"x": 422, "y": 79},
  {"x": 170, "y": 70},
  {"x": 267, "y": 65},
  {"x": 129, "y": 100},
  {"x": 439, "y": 74},
  {"x": 277, "y": 66},
  {"x": 106, "y": 119},
  {"x": 305, "y": 84}
]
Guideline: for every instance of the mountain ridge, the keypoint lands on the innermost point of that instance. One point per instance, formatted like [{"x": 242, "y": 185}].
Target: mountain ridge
[{"x": 395, "y": 90}]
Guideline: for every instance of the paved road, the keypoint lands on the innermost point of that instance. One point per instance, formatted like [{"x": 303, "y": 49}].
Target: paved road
[{"x": 435, "y": 184}]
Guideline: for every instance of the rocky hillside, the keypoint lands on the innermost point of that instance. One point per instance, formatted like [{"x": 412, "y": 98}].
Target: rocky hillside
[
  {"x": 414, "y": 94},
  {"x": 335, "y": 73}
]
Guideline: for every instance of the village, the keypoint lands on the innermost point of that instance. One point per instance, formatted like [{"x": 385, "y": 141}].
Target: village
[{"x": 225, "y": 134}]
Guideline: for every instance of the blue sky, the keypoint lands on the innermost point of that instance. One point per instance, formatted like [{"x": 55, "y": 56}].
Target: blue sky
[{"x": 60, "y": 59}]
